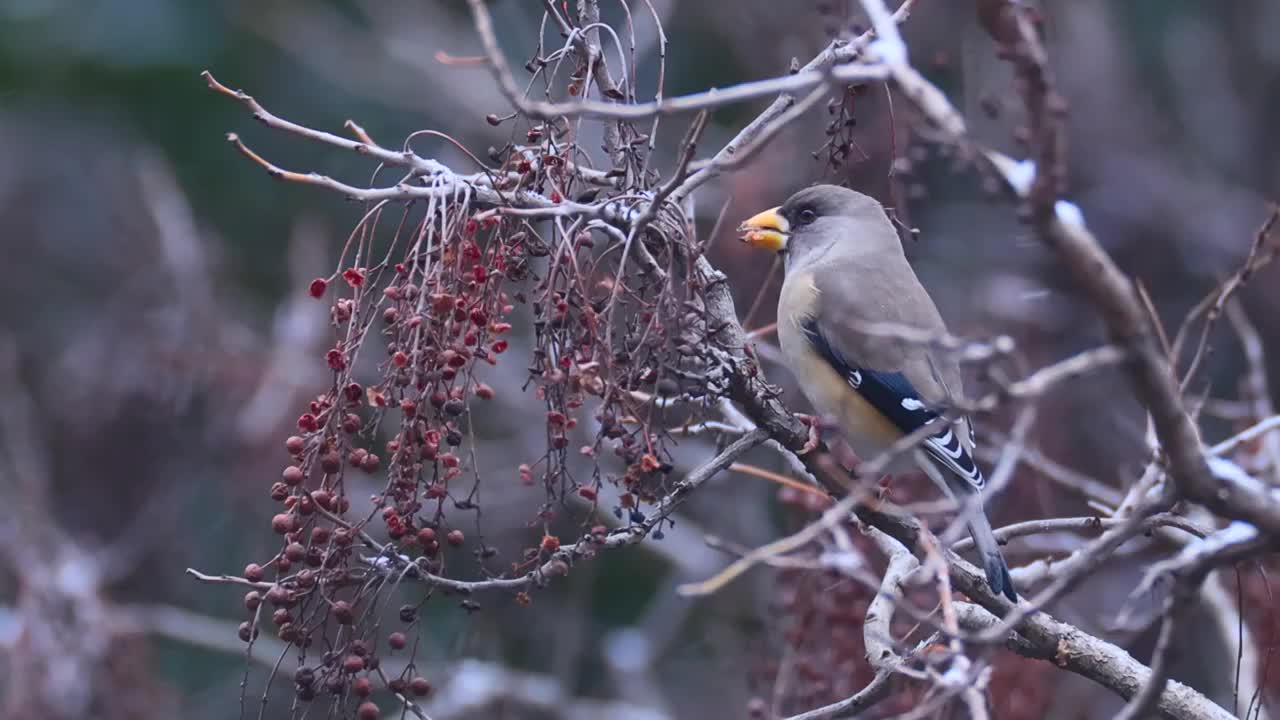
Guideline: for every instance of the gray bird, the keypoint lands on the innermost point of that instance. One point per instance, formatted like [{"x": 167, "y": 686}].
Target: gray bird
[{"x": 846, "y": 272}]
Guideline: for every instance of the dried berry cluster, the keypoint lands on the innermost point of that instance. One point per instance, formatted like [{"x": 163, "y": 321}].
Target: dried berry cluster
[{"x": 415, "y": 320}]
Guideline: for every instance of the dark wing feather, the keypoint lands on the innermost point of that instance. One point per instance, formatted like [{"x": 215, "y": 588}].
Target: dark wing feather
[{"x": 893, "y": 395}]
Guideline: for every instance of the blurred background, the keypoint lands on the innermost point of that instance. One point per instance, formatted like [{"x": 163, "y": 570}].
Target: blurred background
[{"x": 157, "y": 341}]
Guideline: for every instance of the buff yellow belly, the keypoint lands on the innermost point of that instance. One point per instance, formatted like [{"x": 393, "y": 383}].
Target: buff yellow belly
[{"x": 833, "y": 399}]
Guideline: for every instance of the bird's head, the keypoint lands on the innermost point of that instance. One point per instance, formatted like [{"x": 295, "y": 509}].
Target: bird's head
[{"x": 818, "y": 219}]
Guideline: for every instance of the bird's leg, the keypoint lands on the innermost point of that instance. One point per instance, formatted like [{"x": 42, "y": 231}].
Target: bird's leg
[{"x": 814, "y": 423}]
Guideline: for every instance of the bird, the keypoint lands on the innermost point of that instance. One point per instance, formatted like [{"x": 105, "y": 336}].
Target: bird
[{"x": 844, "y": 273}]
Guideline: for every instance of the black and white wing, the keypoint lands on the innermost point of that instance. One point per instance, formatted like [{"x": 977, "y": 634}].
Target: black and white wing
[{"x": 893, "y": 395}]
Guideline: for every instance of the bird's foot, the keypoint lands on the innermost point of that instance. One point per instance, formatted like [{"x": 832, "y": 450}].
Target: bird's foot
[{"x": 814, "y": 424}]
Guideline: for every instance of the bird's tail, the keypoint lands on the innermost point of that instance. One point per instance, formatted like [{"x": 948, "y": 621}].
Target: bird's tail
[{"x": 992, "y": 560}]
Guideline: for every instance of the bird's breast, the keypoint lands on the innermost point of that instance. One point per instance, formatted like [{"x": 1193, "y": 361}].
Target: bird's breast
[{"x": 831, "y": 395}]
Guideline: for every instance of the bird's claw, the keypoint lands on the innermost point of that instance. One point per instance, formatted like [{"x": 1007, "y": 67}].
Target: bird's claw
[{"x": 815, "y": 434}]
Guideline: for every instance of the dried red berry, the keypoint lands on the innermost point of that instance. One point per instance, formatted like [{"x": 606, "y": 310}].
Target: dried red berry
[
  {"x": 324, "y": 499},
  {"x": 308, "y": 423},
  {"x": 483, "y": 391},
  {"x": 296, "y": 552},
  {"x": 280, "y": 597},
  {"x": 354, "y": 276},
  {"x": 367, "y": 711},
  {"x": 253, "y": 572},
  {"x": 350, "y": 425},
  {"x": 420, "y": 686},
  {"x": 247, "y": 631},
  {"x": 362, "y": 687},
  {"x": 353, "y": 664},
  {"x": 282, "y": 523},
  {"x": 343, "y": 613},
  {"x": 252, "y": 600},
  {"x": 292, "y": 475},
  {"x": 353, "y": 392},
  {"x": 397, "y": 640},
  {"x": 455, "y": 537},
  {"x": 331, "y": 462},
  {"x": 294, "y": 445},
  {"x": 317, "y": 287}
]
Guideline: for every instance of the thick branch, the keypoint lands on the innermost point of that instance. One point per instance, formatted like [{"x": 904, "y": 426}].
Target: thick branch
[{"x": 1069, "y": 648}]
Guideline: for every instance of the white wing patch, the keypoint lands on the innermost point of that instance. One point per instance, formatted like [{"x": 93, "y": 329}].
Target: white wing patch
[
  {"x": 855, "y": 379},
  {"x": 912, "y": 404}
]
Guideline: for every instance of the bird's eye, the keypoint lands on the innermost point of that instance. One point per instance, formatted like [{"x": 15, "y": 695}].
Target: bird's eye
[{"x": 806, "y": 216}]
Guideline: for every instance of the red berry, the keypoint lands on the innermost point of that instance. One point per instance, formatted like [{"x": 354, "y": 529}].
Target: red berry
[
  {"x": 420, "y": 686},
  {"x": 294, "y": 445},
  {"x": 353, "y": 664},
  {"x": 455, "y": 537},
  {"x": 253, "y": 572},
  {"x": 252, "y": 600},
  {"x": 397, "y": 640},
  {"x": 317, "y": 287},
  {"x": 282, "y": 523},
  {"x": 362, "y": 687},
  {"x": 343, "y": 613},
  {"x": 367, "y": 711},
  {"x": 331, "y": 462},
  {"x": 353, "y": 392},
  {"x": 296, "y": 552},
  {"x": 308, "y": 423},
  {"x": 292, "y": 475},
  {"x": 353, "y": 276}
]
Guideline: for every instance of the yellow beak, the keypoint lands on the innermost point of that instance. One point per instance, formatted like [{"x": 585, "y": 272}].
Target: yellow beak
[{"x": 767, "y": 230}]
